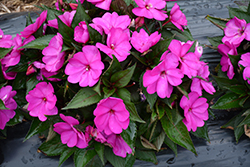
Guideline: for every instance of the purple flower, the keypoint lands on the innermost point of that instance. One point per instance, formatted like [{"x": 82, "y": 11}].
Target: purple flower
[
  {"x": 5, "y": 40},
  {"x": 195, "y": 111},
  {"x": 177, "y": 17},
  {"x": 6, "y": 95},
  {"x": 163, "y": 77},
  {"x": 9, "y": 75},
  {"x": 66, "y": 18},
  {"x": 96, "y": 134},
  {"x": 111, "y": 116},
  {"x": 32, "y": 28},
  {"x": 70, "y": 134},
  {"x": 117, "y": 44},
  {"x": 42, "y": 101},
  {"x": 142, "y": 41},
  {"x": 120, "y": 147},
  {"x": 85, "y": 67},
  {"x": 103, "y": 4},
  {"x": 151, "y": 9},
  {"x": 81, "y": 33},
  {"x": 245, "y": 61},
  {"x": 236, "y": 31}
]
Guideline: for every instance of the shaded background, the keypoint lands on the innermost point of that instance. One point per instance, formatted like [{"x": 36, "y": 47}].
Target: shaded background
[{"x": 222, "y": 151}]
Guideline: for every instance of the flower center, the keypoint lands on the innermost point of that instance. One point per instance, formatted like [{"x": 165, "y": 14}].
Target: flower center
[
  {"x": 87, "y": 68},
  {"x": 44, "y": 99},
  {"x": 163, "y": 74},
  {"x": 241, "y": 31},
  {"x": 149, "y": 6},
  {"x": 111, "y": 111},
  {"x": 112, "y": 46},
  {"x": 1, "y": 36},
  {"x": 189, "y": 110}
]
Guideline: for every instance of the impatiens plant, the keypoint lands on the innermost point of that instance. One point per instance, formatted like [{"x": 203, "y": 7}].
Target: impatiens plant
[
  {"x": 233, "y": 75},
  {"x": 107, "y": 81}
]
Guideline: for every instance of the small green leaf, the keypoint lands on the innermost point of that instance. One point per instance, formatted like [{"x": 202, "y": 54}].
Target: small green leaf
[
  {"x": 2, "y": 106},
  {"x": 238, "y": 89},
  {"x": 133, "y": 113},
  {"x": 51, "y": 12},
  {"x": 39, "y": 43},
  {"x": 82, "y": 157},
  {"x": 202, "y": 132},
  {"x": 18, "y": 118},
  {"x": 129, "y": 135},
  {"x": 183, "y": 91},
  {"x": 215, "y": 41},
  {"x": 37, "y": 127},
  {"x": 97, "y": 87},
  {"x": 160, "y": 111},
  {"x": 108, "y": 92},
  {"x": 31, "y": 83},
  {"x": 80, "y": 16},
  {"x": 235, "y": 12},
  {"x": 184, "y": 35},
  {"x": 95, "y": 161},
  {"x": 66, "y": 154},
  {"x": 124, "y": 94},
  {"x": 130, "y": 160},
  {"x": 219, "y": 22},
  {"x": 113, "y": 159},
  {"x": 245, "y": 121},
  {"x": 225, "y": 82},
  {"x": 66, "y": 32},
  {"x": 113, "y": 68},
  {"x": 4, "y": 51},
  {"x": 84, "y": 97},
  {"x": 122, "y": 78},
  {"x": 227, "y": 101},
  {"x": 28, "y": 20},
  {"x": 170, "y": 100},
  {"x": 148, "y": 156},
  {"x": 99, "y": 148},
  {"x": 159, "y": 140},
  {"x": 170, "y": 144},
  {"x": 234, "y": 60}
]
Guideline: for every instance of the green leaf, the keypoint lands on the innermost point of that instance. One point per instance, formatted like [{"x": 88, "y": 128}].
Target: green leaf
[
  {"x": 39, "y": 32},
  {"x": 234, "y": 60},
  {"x": 130, "y": 160},
  {"x": 2, "y": 80},
  {"x": 95, "y": 161},
  {"x": 80, "y": 16},
  {"x": 182, "y": 90},
  {"x": 202, "y": 132},
  {"x": 94, "y": 35},
  {"x": 66, "y": 154},
  {"x": 246, "y": 121},
  {"x": 170, "y": 144},
  {"x": 215, "y": 41},
  {"x": 2, "y": 106},
  {"x": 113, "y": 68},
  {"x": 28, "y": 20},
  {"x": 99, "y": 148},
  {"x": 97, "y": 87},
  {"x": 219, "y": 22},
  {"x": 4, "y": 51},
  {"x": 239, "y": 14},
  {"x": 82, "y": 157},
  {"x": 84, "y": 97},
  {"x": 108, "y": 92},
  {"x": 133, "y": 113},
  {"x": 148, "y": 156},
  {"x": 129, "y": 135},
  {"x": 113, "y": 159},
  {"x": 170, "y": 100},
  {"x": 18, "y": 118},
  {"x": 147, "y": 143},
  {"x": 234, "y": 124},
  {"x": 184, "y": 35},
  {"x": 178, "y": 133},
  {"x": 66, "y": 32},
  {"x": 160, "y": 111},
  {"x": 225, "y": 82},
  {"x": 53, "y": 147},
  {"x": 31, "y": 83},
  {"x": 37, "y": 127},
  {"x": 228, "y": 101},
  {"x": 122, "y": 78},
  {"x": 39, "y": 43},
  {"x": 51, "y": 13},
  {"x": 159, "y": 141},
  {"x": 124, "y": 94},
  {"x": 238, "y": 89}
]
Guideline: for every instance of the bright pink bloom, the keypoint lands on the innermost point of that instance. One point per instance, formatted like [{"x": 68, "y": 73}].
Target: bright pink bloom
[
  {"x": 189, "y": 61},
  {"x": 53, "y": 57},
  {"x": 66, "y": 18},
  {"x": 150, "y": 9},
  {"x": 139, "y": 21},
  {"x": 103, "y": 4},
  {"x": 111, "y": 116},
  {"x": 6, "y": 95},
  {"x": 85, "y": 67},
  {"x": 236, "y": 31},
  {"x": 70, "y": 134},
  {"x": 177, "y": 17},
  {"x": 96, "y": 134},
  {"x": 5, "y": 40},
  {"x": 81, "y": 33},
  {"x": 195, "y": 111},
  {"x": 198, "y": 50},
  {"x": 245, "y": 61},
  {"x": 142, "y": 41},
  {"x": 163, "y": 77},
  {"x": 32, "y": 28},
  {"x": 14, "y": 57},
  {"x": 42, "y": 101},
  {"x": 108, "y": 21},
  {"x": 117, "y": 44},
  {"x": 226, "y": 65},
  {"x": 199, "y": 84},
  {"x": 8, "y": 75},
  {"x": 120, "y": 147}
]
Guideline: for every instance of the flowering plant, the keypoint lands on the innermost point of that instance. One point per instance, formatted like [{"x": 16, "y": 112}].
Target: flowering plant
[
  {"x": 106, "y": 81},
  {"x": 233, "y": 77}
]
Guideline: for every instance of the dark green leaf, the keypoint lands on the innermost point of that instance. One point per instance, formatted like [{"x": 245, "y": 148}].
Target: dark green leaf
[
  {"x": 170, "y": 100},
  {"x": 147, "y": 143},
  {"x": 99, "y": 148},
  {"x": 94, "y": 35},
  {"x": 84, "y": 97},
  {"x": 113, "y": 159},
  {"x": 159, "y": 141},
  {"x": 37, "y": 127},
  {"x": 234, "y": 60},
  {"x": 31, "y": 83},
  {"x": 133, "y": 113},
  {"x": 182, "y": 90},
  {"x": 215, "y": 41},
  {"x": 139, "y": 57},
  {"x": 18, "y": 118},
  {"x": 219, "y": 22},
  {"x": 170, "y": 144},
  {"x": 124, "y": 94},
  {"x": 82, "y": 157},
  {"x": 52, "y": 12},
  {"x": 239, "y": 14},
  {"x": 94, "y": 162},
  {"x": 245, "y": 121},
  {"x": 80, "y": 16},
  {"x": 66, "y": 154},
  {"x": 4, "y": 51},
  {"x": 113, "y": 68},
  {"x": 39, "y": 32},
  {"x": 148, "y": 156},
  {"x": 202, "y": 132},
  {"x": 108, "y": 91},
  {"x": 129, "y": 134},
  {"x": 184, "y": 35},
  {"x": 122, "y": 78},
  {"x": 178, "y": 133},
  {"x": 28, "y": 20},
  {"x": 225, "y": 82},
  {"x": 238, "y": 89},
  {"x": 2, "y": 80},
  {"x": 160, "y": 111},
  {"x": 97, "y": 87},
  {"x": 66, "y": 32},
  {"x": 2, "y": 106},
  {"x": 227, "y": 101},
  {"x": 130, "y": 160},
  {"x": 39, "y": 43}
]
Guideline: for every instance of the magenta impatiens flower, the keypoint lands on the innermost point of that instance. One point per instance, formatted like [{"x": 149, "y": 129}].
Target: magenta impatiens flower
[
  {"x": 195, "y": 111},
  {"x": 5, "y": 40},
  {"x": 9, "y": 75},
  {"x": 6, "y": 95},
  {"x": 151, "y": 9},
  {"x": 226, "y": 65},
  {"x": 42, "y": 101},
  {"x": 117, "y": 44},
  {"x": 120, "y": 147},
  {"x": 96, "y": 134},
  {"x": 142, "y": 41},
  {"x": 236, "y": 31},
  {"x": 66, "y": 18},
  {"x": 70, "y": 134},
  {"x": 245, "y": 61},
  {"x": 111, "y": 116},
  {"x": 177, "y": 17},
  {"x": 199, "y": 84},
  {"x": 32, "y": 28},
  {"x": 53, "y": 57},
  {"x": 163, "y": 77},
  {"x": 108, "y": 21},
  {"x": 81, "y": 33},
  {"x": 85, "y": 67},
  {"x": 103, "y": 4}
]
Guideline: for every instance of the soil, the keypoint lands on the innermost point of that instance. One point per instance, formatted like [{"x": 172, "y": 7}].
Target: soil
[{"x": 11, "y": 6}]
